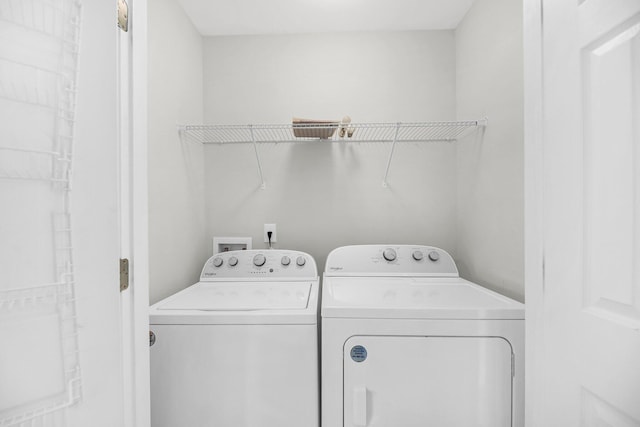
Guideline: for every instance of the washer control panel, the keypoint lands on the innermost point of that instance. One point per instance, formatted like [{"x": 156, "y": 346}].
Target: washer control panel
[
  {"x": 390, "y": 260},
  {"x": 253, "y": 264}
]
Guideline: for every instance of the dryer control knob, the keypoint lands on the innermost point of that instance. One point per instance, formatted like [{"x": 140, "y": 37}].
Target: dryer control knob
[
  {"x": 233, "y": 261},
  {"x": 285, "y": 260},
  {"x": 259, "y": 260},
  {"x": 417, "y": 255},
  {"x": 217, "y": 261},
  {"x": 389, "y": 254},
  {"x": 301, "y": 261},
  {"x": 434, "y": 256}
]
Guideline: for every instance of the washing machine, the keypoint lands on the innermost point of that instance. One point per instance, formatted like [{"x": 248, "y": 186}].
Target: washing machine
[
  {"x": 240, "y": 347},
  {"x": 407, "y": 342}
]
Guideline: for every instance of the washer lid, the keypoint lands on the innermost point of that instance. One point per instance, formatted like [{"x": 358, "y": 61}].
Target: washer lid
[
  {"x": 240, "y": 296},
  {"x": 414, "y": 298}
]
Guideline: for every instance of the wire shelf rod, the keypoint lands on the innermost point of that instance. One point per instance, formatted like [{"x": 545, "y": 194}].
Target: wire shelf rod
[
  {"x": 38, "y": 22},
  {"x": 38, "y": 30},
  {"x": 55, "y": 73},
  {"x": 31, "y": 288},
  {"x": 21, "y": 177},
  {"x": 27, "y": 150},
  {"x": 17, "y": 99}
]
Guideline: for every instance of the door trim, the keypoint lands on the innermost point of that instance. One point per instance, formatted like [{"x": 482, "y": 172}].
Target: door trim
[
  {"x": 534, "y": 201},
  {"x": 135, "y": 318}
]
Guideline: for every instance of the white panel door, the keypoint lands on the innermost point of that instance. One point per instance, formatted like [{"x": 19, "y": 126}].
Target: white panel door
[
  {"x": 427, "y": 381},
  {"x": 587, "y": 308},
  {"x": 60, "y": 322}
]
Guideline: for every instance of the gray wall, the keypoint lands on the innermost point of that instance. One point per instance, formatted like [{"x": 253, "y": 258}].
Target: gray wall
[
  {"x": 490, "y": 171},
  {"x": 324, "y": 195},
  {"x": 178, "y": 241},
  {"x": 465, "y": 197}
]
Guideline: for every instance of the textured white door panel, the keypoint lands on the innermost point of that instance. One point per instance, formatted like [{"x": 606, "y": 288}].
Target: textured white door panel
[{"x": 585, "y": 305}]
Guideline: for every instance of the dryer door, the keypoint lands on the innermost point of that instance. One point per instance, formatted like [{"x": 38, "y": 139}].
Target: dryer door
[{"x": 427, "y": 381}]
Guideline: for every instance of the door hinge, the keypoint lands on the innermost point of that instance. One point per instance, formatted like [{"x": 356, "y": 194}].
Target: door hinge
[
  {"x": 123, "y": 15},
  {"x": 124, "y": 274}
]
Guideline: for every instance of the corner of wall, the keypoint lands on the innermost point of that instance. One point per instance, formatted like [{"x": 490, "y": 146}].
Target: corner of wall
[
  {"x": 490, "y": 164},
  {"x": 177, "y": 246}
]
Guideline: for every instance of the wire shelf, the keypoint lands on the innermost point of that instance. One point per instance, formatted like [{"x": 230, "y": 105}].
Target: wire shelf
[
  {"x": 41, "y": 90},
  {"x": 39, "y": 56},
  {"x": 34, "y": 165},
  {"x": 47, "y": 17},
  {"x": 32, "y": 303},
  {"x": 334, "y": 132},
  {"x": 27, "y": 298},
  {"x": 360, "y": 132},
  {"x": 38, "y": 74}
]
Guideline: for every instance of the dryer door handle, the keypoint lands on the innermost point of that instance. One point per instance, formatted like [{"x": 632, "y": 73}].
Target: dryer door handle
[{"x": 360, "y": 406}]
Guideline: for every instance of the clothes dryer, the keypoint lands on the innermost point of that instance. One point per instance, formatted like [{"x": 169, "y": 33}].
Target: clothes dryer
[
  {"x": 240, "y": 347},
  {"x": 407, "y": 342}
]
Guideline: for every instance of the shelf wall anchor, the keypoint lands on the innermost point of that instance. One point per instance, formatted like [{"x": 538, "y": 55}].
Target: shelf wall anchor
[
  {"x": 255, "y": 149},
  {"x": 385, "y": 184}
]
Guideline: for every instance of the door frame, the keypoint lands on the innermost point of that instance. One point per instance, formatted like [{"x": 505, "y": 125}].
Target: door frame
[
  {"x": 533, "y": 209},
  {"x": 135, "y": 300},
  {"x": 136, "y": 317}
]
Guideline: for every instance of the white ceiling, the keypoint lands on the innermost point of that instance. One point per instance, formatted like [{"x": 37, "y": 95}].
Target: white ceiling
[{"x": 235, "y": 17}]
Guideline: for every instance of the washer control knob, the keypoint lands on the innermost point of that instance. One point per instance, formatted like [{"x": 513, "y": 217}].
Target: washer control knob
[
  {"x": 259, "y": 260},
  {"x": 417, "y": 255},
  {"x": 233, "y": 261},
  {"x": 389, "y": 254},
  {"x": 434, "y": 256},
  {"x": 285, "y": 260},
  {"x": 301, "y": 261},
  {"x": 217, "y": 261}
]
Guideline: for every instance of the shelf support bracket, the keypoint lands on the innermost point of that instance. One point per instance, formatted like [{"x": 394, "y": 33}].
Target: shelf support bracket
[
  {"x": 255, "y": 149},
  {"x": 385, "y": 184}
]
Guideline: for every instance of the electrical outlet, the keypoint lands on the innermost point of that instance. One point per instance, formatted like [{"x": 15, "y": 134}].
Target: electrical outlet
[{"x": 272, "y": 228}]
